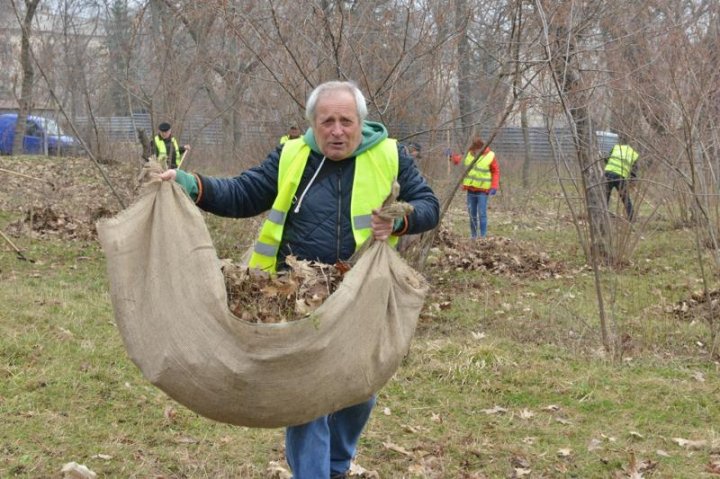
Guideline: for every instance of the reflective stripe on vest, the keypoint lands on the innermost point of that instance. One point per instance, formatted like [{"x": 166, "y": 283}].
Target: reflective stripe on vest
[
  {"x": 479, "y": 176},
  {"x": 621, "y": 160},
  {"x": 375, "y": 170},
  {"x": 162, "y": 151}
]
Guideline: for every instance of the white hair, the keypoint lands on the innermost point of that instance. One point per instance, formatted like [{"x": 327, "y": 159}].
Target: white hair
[{"x": 335, "y": 85}]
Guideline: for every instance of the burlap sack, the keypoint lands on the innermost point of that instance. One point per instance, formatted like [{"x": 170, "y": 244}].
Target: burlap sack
[{"x": 170, "y": 304}]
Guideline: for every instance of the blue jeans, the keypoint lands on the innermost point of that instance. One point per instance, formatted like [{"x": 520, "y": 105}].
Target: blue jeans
[
  {"x": 325, "y": 446},
  {"x": 477, "y": 209}
]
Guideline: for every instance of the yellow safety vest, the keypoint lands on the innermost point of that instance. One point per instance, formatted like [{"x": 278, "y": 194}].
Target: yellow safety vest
[
  {"x": 162, "y": 151},
  {"x": 375, "y": 171},
  {"x": 621, "y": 160},
  {"x": 284, "y": 139},
  {"x": 479, "y": 176}
]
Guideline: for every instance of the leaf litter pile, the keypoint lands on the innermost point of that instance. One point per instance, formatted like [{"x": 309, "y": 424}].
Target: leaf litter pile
[
  {"x": 49, "y": 221},
  {"x": 295, "y": 293},
  {"x": 504, "y": 256},
  {"x": 257, "y": 297},
  {"x": 699, "y": 305},
  {"x": 62, "y": 197}
]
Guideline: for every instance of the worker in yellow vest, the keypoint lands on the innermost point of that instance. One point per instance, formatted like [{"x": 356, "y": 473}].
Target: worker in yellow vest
[
  {"x": 165, "y": 147},
  {"x": 322, "y": 192},
  {"x": 293, "y": 133},
  {"x": 481, "y": 182},
  {"x": 620, "y": 169}
]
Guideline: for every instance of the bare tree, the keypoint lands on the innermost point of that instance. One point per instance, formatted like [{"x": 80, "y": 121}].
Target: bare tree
[
  {"x": 119, "y": 41},
  {"x": 28, "y": 72}
]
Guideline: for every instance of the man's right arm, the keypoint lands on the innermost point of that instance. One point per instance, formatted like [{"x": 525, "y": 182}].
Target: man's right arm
[{"x": 248, "y": 194}]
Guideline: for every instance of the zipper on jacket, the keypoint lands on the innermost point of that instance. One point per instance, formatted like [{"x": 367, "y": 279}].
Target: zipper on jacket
[{"x": 339, "y": 216}]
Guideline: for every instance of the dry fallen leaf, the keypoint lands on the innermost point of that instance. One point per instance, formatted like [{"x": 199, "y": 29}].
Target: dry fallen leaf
[
  {"x": 636, "y": 469},
  {"x": 170, "y": 413},
  {"x": 478, "y": 336},
  {"x": 186, "y": 440},
  {"x": 526, "y": 414},
  {"x": 713, "y": 467},
  {"x": 608, "y": 438},
  {"x": 564, "y": 452},
  {"x": 410, "y": 429},
  {"x": 275, "y": 471},
  {"x": 495, "y": 410},
  {"x": 394, "y": 447},
  {"x": 520, "y": 462},
  {"x": 689, "y": 444},
  {"x": 594, "y": 444},
  {"x": 521, "y": 472},
  {"x": 73, "y": 470},
  {"x": 356, "y": 470}
]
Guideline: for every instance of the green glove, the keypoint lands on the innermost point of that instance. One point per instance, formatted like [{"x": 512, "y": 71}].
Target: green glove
[{"x": 188, "y": 182}]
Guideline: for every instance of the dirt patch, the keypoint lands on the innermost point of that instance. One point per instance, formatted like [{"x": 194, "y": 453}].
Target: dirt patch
[{"x": 504, "y": 256}]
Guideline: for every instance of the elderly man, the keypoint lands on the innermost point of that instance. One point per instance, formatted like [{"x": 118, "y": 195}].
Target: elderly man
[{"x": 323, "y": 191}]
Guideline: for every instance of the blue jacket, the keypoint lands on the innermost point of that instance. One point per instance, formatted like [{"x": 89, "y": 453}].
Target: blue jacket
[{"x": 321, "y": 230}]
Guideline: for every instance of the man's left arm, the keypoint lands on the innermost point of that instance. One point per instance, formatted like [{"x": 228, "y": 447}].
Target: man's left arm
[{"x": 416, "y": 191}]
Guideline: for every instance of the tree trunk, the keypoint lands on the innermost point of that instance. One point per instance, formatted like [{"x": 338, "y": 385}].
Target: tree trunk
[
  {"x": 465, "y": 86},
  {"x": 575, "y": 98},
  {"x": 25, "y": 100},
  {"x": 526, "y": 144}
]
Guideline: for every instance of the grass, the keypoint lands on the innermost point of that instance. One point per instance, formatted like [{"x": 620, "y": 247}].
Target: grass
[{"x": 510, "y": 379}]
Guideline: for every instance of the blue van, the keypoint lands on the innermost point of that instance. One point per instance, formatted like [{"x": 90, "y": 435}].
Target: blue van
[{"x": 42, "y": 136}]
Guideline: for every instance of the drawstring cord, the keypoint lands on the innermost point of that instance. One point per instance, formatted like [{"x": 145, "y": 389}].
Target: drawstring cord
[{"x": 302, "y": 196}]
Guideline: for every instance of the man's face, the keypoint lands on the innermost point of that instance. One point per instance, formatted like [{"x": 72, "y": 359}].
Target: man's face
[
  {"x": 294, "y": 133},
  {"x": 166, "y": 134},
  {"x": 338, "y": 130}
]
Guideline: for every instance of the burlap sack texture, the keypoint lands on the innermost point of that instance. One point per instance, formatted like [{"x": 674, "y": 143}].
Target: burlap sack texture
[{"x": 170, "y": 305}]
